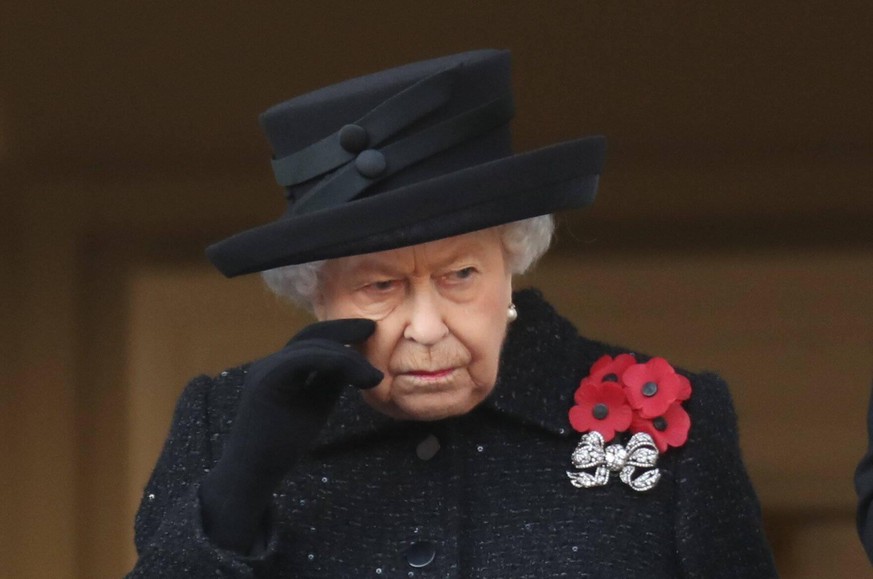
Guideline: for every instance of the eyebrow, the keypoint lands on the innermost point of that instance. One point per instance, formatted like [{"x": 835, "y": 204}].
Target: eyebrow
[
  {"x": 374, "y": 265},
  {"x": 466, "y": 251}
]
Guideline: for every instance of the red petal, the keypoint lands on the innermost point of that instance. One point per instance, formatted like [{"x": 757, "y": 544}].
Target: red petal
[
  {"x": 600, "y": 364},
  {"x": 626, "y": 360},
  {"x": 678, "y": 424},
  {"x": 612, "y": 394},
  {"x": 607, "y": 433},
  {"x": 620, "y": 417},
  {"x": 617, "y": 419},
  {"x": 649, "y": 406},
  {"x": 669, "y": 386},
  {"x": 574, "y": 415},
  {"x": 684, "y": 391},
  {"x": 636, "y": 376},
  {"x": 660, "y": 368},
  {"x": 581, "y": 418},
  {"x": 615, "y": 422},
  {"x": 654, "y": 407},
  {"x": 606, "y": 365},
  {"x": 586, "y": 392},
  {"x": 622, "y": 362},
  {"x": 639, "y": 424},
  {"x": 676, "y": 433}
]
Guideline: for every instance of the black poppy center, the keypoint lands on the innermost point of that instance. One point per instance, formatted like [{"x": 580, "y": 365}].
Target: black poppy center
[
  {"x": 650, "y": 389},
  {"x": 600, "y": 411},
  {"x": 610, "y": 378},
  {"x": 660, "y": 424}
]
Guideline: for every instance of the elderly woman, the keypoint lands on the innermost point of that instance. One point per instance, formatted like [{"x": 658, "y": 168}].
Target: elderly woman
[{"x": 432, "y": 423}]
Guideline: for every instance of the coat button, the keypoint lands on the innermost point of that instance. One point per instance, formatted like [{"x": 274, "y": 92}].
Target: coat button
[
  {"x": 428, "y": 448},
  {"x": 420, "y": 554}
]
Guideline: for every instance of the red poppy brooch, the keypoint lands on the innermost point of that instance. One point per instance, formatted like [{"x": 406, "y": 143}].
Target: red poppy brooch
[{"x": 618, "y": 396}]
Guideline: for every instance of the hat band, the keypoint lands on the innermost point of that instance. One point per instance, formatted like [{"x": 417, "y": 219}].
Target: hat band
[
  {"x": 387, "y": 119},
  {"x": 373, "y": 165}
]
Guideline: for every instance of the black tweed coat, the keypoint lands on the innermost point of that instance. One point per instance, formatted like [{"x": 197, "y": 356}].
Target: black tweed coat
[{"x": 481, "y": 495}]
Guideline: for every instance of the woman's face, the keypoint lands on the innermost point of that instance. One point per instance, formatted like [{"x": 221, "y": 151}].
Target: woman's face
[{"x": 441, "y": 313}]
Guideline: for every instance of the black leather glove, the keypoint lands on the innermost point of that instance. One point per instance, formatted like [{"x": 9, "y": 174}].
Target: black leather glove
[{"x": 286, "y": 399}]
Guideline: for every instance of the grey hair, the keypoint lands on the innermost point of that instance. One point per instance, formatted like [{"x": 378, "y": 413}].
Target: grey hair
[{"x": 524, "y": 242}]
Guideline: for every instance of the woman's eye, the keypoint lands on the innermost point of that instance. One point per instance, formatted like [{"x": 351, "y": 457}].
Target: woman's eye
[
  {"x": 461, "y": 274},
  {"x": 382, "y": 285},
  {"x": 466, "y": 272}
]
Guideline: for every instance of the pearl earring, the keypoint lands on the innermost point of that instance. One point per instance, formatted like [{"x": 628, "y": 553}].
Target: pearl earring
[{"x": 512, "y": 313}]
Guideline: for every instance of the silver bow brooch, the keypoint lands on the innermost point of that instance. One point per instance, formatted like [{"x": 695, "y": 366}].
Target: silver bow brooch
[{"x": 640, "y": 452}]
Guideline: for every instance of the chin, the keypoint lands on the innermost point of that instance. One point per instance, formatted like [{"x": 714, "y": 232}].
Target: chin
[{"x": 429, "y": 408}]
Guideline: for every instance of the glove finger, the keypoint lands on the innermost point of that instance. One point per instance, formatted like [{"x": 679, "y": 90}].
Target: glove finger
[
  {"x": 344, "y": 331},
  {"x": 353, "y": 368},
  {"x": 322, "y": 363}
]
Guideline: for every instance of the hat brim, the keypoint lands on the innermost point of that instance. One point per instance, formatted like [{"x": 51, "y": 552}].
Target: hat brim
[{"x": 546, "y": 180}]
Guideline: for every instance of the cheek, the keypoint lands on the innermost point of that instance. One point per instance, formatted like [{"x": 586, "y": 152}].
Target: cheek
[
  {"x": 482, "y": 332},
  {"x": 379, "y": 348}
]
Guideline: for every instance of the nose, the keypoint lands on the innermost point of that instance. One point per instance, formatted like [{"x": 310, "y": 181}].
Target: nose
[{"x": 426, "y": 324}]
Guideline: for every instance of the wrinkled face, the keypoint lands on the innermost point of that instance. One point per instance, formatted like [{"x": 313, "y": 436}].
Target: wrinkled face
[{"x": 441, "y": 315}]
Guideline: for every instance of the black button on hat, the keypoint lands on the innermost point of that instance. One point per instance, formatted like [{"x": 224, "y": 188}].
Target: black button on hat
[
  {"x": 370, "y": 163},
  {"x": 420, "y": 554},
  {"x": 353, "y": 138}
]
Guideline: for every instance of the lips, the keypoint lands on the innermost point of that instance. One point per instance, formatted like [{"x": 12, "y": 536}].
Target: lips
[
  {"x": 427, "y": 380},
  {"x": 428, "y": 374}
]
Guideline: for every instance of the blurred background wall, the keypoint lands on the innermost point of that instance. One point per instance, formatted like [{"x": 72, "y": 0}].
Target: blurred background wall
[{"x": 733, "y": 231}]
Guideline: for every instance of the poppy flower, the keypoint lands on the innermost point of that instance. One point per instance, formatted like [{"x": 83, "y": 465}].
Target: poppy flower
[
  {"x": 652, "y": 387},
  {"x": 609, "y": 369},
  {"x": 602, "y": 407},
  {"x": 670, "y": 429}
]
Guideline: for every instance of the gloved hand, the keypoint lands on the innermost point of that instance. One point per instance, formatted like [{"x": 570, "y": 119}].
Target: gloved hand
[{"x": 286, "y": 400}]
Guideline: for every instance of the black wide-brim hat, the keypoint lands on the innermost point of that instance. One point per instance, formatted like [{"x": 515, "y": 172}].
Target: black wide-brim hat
[{"x": 405, "y": 156}]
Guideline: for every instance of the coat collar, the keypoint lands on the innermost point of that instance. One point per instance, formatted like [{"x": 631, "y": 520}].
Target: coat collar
[{"x": 541, "y": 364}]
